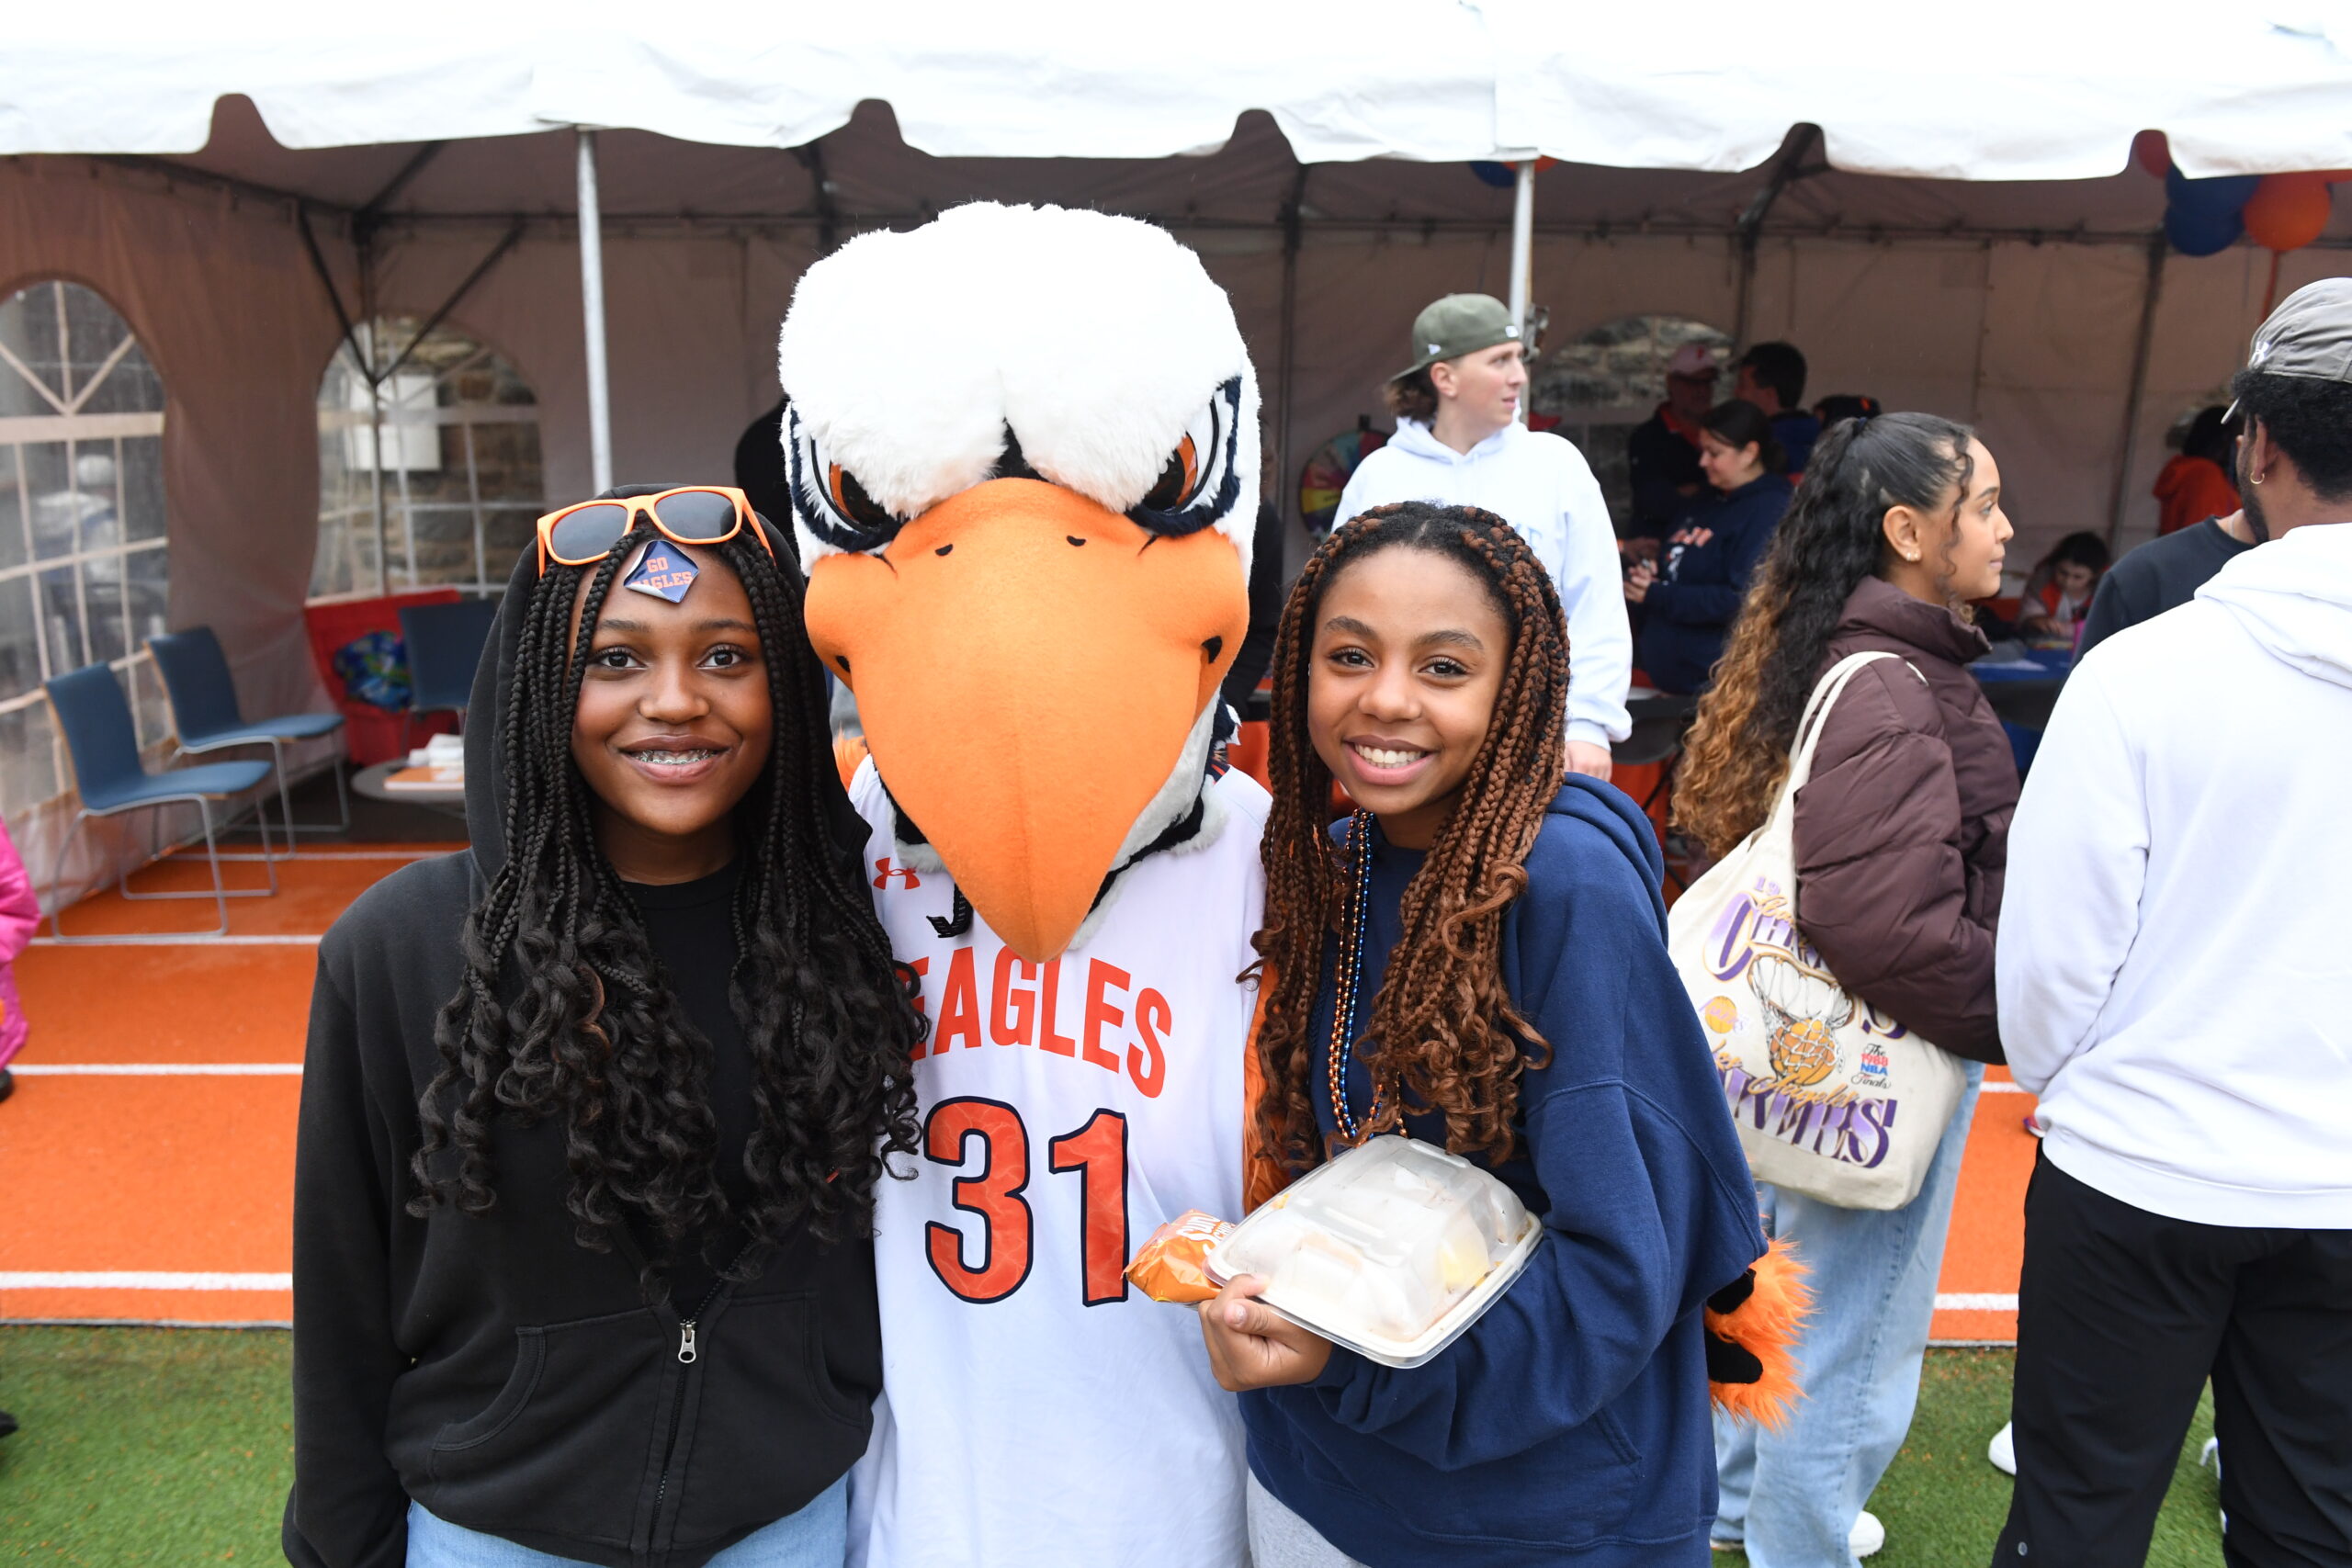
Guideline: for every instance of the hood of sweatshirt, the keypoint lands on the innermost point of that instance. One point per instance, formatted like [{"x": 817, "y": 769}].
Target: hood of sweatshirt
[
  {"x": 1623, "y": 822},
  {"x": 2293, "y": 596},
  {"x": 2176, "y": 475},
  {"x": 494, "y": 677},
  {"x": 1414, "y": 437}
]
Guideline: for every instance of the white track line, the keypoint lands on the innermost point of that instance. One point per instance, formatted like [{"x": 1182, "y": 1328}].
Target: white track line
[
  {"x": 2002, "y": 1086},
  {"x": 133, "y": 1279},
  {"x": 1968, "y": 1303},
  {"x": 172, "y": 940},
  {"x": 155, "y": 1069},
  {"x": 253, "y": 857}
]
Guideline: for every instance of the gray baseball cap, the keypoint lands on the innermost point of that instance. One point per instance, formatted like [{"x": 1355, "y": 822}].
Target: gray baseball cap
[
  {"x": 1456, "y": 325},
  {"x": 2309, "y": 334}
]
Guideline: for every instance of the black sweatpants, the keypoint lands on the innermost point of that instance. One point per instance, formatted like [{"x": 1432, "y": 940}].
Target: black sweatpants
[{"x": 2122, "y": 1315}]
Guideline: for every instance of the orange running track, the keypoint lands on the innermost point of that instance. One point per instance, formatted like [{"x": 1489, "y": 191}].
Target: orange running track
[{"x": 147, "y": 1157}]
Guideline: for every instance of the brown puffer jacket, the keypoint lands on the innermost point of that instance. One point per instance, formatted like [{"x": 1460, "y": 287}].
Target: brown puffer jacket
[{"x": 1902, "y": 832}]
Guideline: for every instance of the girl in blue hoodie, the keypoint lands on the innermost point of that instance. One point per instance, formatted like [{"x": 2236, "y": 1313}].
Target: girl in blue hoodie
[{"x": 1477, "y": 958}]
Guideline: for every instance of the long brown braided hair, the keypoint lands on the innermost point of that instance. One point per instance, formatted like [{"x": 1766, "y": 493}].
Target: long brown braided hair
[{"x": 1442, "y": 1028}]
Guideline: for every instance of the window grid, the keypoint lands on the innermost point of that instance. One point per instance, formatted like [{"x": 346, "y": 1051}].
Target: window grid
[
  {"x": 86, "y": 577},
  {"x": 460, "y": 390}
]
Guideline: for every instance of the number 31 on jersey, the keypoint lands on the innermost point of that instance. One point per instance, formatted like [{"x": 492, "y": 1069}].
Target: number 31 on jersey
[{"x": 1095, "y": 1153}]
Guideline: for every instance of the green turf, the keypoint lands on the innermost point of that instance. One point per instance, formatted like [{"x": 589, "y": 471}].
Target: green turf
[
  {"x": 1943, "y": 1504},
  {"x": 174, "y": 1446},
  {"x": 143, "y": 1446}
]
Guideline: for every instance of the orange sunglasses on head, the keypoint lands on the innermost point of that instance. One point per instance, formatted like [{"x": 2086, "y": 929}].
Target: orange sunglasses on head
[{"x": 585, "y": 534}]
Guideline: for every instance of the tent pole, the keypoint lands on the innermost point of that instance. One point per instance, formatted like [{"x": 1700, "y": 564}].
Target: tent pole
[
  {"x": 592, "y": 298},
  {"x": 1523, "y": 259},
  {"x": 1288, "y": 347},
  {"x": 2158, "y": 248},
  {"x": 1788, "y": 168},
  {"x": 370, "y": 366}
]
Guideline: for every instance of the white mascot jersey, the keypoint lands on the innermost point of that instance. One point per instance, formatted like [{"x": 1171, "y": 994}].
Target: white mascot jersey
[{"x": 1039, "y": 1412}]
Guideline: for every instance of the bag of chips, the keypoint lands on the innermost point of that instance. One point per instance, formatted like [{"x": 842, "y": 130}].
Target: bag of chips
[{"x": 1172, "y": 1265}]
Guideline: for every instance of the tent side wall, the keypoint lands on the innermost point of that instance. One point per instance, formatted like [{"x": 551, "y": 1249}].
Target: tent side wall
[
  {"x": 220, "y": 295},
  {"x": 2031, "y": 343}
]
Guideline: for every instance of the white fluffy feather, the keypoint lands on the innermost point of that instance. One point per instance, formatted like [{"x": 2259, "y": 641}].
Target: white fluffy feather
[{"x": 1095, "y": 339}]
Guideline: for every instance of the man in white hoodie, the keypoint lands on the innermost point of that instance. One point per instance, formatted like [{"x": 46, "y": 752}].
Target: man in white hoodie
[
  {"x": 1459, "y": 442},
  {"x": 2175, "y": 983}
]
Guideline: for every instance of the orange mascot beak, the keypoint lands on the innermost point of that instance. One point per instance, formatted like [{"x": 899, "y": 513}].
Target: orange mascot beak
[{"x": 1028, "y": 665}]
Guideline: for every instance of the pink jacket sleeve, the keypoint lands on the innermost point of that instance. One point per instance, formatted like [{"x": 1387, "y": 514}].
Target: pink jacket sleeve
[{"x": 19, "y": 906}]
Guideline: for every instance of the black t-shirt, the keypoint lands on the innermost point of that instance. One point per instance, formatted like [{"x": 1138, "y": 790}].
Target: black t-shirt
[
  {"x": 691, "y": 927},
  {"x": 2161, "y": 575}
]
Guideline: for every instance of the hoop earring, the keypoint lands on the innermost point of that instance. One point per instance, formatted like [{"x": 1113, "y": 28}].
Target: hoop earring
[{"x": 2258, "y": 477}]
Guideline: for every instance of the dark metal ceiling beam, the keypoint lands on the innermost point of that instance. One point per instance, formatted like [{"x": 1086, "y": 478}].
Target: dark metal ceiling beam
[
  {"x": 482, "y": 270},
  {"x": 622, "y": 223},
  {"x": 205, "y": 179},
  {"x": 828, "y": 213},
  {"x": 371, "y": 212}
]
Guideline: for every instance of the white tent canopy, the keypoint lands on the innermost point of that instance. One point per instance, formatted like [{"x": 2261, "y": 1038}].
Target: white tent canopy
[
  {"x": 2009, "y": 90},
  {"x": 1963, "y": 232}
]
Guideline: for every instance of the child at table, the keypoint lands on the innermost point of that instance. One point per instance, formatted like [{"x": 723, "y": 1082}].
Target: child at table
[
  {"x": 2058, "y": 592},
  {"x": 1477, "y": 958}
]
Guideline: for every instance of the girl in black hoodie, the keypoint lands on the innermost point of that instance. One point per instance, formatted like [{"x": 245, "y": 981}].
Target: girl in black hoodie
[{"x": 592, "y": 1113}]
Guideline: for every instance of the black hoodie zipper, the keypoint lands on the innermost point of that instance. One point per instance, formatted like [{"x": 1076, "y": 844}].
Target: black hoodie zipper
[
  {"x": 687, "y": 1356},
  {"x": 689, "y": 1353}
]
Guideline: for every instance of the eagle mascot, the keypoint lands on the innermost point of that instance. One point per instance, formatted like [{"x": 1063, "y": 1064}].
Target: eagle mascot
[{"x": 1023, "y": 448}]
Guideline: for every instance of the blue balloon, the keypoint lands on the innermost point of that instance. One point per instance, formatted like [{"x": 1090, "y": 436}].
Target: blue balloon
[
  {"x": 2202, "y": 233},
  {"x": 1502, "y": 177},
  {"x": 2223, "y": 193}
]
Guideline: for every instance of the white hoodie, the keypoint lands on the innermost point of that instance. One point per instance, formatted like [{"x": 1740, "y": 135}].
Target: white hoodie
[
  {"x": 1540, "y": 486},
  {"x": 2174, "y": 965}
]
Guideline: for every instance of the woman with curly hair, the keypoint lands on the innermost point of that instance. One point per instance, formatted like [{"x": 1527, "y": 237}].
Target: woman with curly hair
[
  {"x": 1902, "y": 837},
  {"x": 593, "y": 1112},
  {"x": 1477, "y": 958}
]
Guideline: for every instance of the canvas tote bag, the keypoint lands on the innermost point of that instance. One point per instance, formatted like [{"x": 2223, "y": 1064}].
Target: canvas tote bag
[{"x": 1833, "y": 1099}]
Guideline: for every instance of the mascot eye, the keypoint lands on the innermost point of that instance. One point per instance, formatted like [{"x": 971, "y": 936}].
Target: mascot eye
[
  {"x": 1179, "y": 482},
  {"x": 836, "y": 512},
  {"x": 1198, "y": 485},
  {"x": 848, "y": 498}
]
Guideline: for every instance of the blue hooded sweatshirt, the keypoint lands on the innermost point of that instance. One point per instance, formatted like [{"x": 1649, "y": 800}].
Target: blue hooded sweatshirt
[
  {"x": 1570, "y": 1424},
  {"x": 1703, "y": 580}
]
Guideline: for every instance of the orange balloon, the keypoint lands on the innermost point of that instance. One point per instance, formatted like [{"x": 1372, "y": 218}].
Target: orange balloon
[
  {"x": 2288, "y": 211},
  {"x": 2152, "y": 152}
]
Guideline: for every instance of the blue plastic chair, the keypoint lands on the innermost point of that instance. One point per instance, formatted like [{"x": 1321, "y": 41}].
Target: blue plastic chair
[
  {"x": 206, "y": 718},
  {"x": 104, "y": 744},
  {"x": 444, "y": 643}
]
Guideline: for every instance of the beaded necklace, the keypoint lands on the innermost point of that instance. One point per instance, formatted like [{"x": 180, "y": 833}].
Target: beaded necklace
[{"x": 1356, "y": 917}]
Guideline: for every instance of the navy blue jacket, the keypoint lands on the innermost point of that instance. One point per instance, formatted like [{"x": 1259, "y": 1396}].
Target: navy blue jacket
[
  {"x": 1570, "y": 1424},
  {"x": 1702, "y": 581}
]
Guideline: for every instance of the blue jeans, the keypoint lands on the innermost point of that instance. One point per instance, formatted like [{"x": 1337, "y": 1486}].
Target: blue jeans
[
  {"x": 1791, "y": 1496},
  {"x": 816, "y": 1537}
]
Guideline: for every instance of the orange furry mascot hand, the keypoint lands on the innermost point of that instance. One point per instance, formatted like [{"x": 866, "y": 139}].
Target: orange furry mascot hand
[{"x": 1753, "y": 1325}]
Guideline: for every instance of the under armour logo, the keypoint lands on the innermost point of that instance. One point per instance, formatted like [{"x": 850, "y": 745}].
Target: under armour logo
[{"x": 884, "y": 871}]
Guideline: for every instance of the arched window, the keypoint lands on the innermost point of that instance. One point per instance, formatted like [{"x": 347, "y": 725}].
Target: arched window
[
  {"x": 83, "y": 565},
  {"x": 1604, "y": 383},
  {"x": 456, "y": 492}
]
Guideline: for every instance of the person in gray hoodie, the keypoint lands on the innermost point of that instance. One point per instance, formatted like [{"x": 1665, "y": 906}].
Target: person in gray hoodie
[{"x": 2171, "y": 970}]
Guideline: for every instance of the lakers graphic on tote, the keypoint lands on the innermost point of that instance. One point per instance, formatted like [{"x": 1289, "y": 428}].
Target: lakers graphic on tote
[{"x": 1832, "y": 1098}]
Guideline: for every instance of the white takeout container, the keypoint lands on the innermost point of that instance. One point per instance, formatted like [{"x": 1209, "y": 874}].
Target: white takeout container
[{"x": 1392, "y": 1249}]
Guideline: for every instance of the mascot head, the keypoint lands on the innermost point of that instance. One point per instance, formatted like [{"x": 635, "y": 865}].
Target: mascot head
[{"x": 1023, "y": 454}]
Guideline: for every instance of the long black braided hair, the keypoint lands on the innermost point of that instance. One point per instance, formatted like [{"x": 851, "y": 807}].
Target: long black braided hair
[{"x": 565, "y": 1011}]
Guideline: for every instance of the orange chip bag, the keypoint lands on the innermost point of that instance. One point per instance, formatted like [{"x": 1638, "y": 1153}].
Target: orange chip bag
[{"x": 1173, "y": 1266}]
